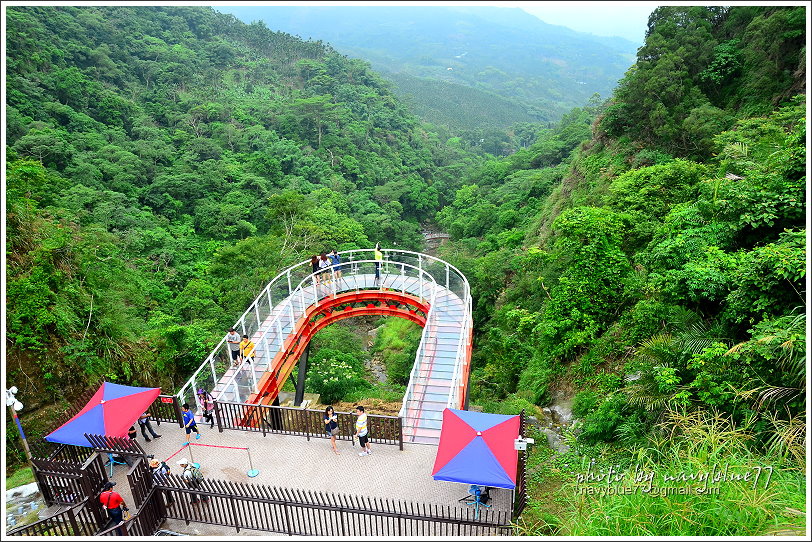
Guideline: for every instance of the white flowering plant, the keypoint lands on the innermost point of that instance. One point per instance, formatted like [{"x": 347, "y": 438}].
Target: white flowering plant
[{"x": 334, "y": 374}]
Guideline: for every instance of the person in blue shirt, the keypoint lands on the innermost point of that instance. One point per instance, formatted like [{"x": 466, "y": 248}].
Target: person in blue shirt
[
  {"x": 189, "y": 423},
  {"x": 335, "y": 260}
]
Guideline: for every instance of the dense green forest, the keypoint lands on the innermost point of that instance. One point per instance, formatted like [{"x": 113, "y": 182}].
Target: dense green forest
[
  {"x": 646, "y": 255},
  {"x": 163, "y": 164}
]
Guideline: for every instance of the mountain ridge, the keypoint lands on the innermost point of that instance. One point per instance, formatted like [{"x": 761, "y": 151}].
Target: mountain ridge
[{"x": 546, "y": 68}]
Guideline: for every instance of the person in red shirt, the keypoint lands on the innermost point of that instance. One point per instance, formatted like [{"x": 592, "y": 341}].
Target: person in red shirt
[{"x": 114, "y": 504}]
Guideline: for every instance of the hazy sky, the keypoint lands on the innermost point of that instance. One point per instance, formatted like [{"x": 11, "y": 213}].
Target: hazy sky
[{"x": 625, "y": 19}]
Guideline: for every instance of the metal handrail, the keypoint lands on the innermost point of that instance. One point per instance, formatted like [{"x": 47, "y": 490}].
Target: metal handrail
[
  {"x": 300, "y": 289},
  {"x": 418, "y": 358},
  {"x": 460, "y": 354}
]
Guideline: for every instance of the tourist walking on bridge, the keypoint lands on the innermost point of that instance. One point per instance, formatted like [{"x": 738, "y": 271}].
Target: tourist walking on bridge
[
  {"x": 233, "y": 339},
  {"x": 247, "y": 348},
  {"x": 378, "y": 255}
]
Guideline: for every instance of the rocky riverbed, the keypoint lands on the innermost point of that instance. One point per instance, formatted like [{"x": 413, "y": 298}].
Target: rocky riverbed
[{"x": 24, "y": 505}]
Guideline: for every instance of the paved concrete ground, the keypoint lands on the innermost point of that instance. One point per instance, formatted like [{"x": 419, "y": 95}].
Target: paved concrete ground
[{"x": 294, "y": 462}]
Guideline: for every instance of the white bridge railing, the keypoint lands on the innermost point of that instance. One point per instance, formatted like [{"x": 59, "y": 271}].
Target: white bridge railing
[{"x": 308, "y": 294}]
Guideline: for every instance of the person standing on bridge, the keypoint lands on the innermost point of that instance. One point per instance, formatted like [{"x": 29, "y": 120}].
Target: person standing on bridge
[
  {"x": 324, "y": 267},
  {"x": 314, "y": 265},
  {"x": 378, "y": 259},
  {"x": 335, "y": 259},
  {"x": 233, "y": 339},
  {"x": 247, "y": 348}
]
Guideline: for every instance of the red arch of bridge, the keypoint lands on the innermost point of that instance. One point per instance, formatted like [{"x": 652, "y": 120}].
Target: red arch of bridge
[{"x": 328, "y": 311}]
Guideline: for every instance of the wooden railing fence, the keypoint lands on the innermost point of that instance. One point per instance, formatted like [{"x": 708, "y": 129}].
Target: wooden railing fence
[
  {"x": 296, "y": 512},
  {"x": 65, "y": 483},
  {"x": 140, "y": 479},
  {"x": 165, "y": 408},
  {"x": 82, "y": 485},
  {"x": 85, "y": 519},
  {"x": 248, "y": 506},
  {"x": 42, "y": 449},
  {"x": 144, "y": 522},
  {"x": 115, "y": 445}
]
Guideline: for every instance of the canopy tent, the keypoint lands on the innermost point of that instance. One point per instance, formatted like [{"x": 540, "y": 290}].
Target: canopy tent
[
  {"x": 477, "y": 448},
  {"x": 111, "y": 412}
]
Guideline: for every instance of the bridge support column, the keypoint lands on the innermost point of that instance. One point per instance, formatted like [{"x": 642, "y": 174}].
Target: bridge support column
[{"x": 300, "y": 381}]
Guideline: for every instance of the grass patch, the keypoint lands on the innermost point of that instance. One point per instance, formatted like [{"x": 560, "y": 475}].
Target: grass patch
[
  {"x": 658, "y": 489},
  {"x": 20, "y": 477}
]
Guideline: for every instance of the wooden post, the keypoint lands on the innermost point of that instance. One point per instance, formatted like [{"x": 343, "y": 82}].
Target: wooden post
[
  {"x": 287, "y": 519},
  {"x": 176, "y": 408},
  {"x": 73, "y": 524},
  {"x": 216, "y": 407}
]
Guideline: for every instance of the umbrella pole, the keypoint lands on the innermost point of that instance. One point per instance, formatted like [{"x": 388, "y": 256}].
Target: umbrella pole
[
  {"x": 192, "y": 457},
  {"x": 252, "y": 472}
]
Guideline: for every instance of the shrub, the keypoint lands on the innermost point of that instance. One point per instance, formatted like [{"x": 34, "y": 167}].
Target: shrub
[
  {"x": 602, "y": 423},
  {"x": 584, "y": 402},
  {"x": 398, "y": 341},
  {"x": 335, "y": 374}
]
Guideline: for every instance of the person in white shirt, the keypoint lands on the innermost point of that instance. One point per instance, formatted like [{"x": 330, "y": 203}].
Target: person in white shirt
[{"x": 361, "y": 431}]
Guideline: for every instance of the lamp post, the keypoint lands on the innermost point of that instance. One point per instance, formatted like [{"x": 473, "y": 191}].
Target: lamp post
[{"x": 14, "y": 406}]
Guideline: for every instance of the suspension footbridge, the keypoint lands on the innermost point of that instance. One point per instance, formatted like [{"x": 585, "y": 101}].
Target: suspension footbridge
[{"x": 298, "y": 303}]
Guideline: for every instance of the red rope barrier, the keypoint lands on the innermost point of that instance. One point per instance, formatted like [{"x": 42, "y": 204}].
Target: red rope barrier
[
  {"x": 176, "y": 453},
  {"x": 196, "y": 444},
  {"x": 216, "y": 446}
]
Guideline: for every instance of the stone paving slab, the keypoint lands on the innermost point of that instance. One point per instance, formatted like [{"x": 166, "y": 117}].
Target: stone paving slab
[{"x": 294, "y": 462}]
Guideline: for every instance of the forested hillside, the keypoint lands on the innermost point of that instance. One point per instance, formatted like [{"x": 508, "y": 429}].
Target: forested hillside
[
  {"x": 165, "y": 163},
  {"x": 657, "y": 272},
  {"x": 447, "y": 60}
]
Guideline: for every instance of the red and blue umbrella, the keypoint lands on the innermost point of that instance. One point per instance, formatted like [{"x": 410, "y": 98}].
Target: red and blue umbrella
[
  {"x": 477, "y": 448},
  {"x": 111, "y": 412}
]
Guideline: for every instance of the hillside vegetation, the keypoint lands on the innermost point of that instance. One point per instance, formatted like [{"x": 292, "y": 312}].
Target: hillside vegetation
[
  {"x": 165, "y": 163},
  {"x": 658, "y": 273}
]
